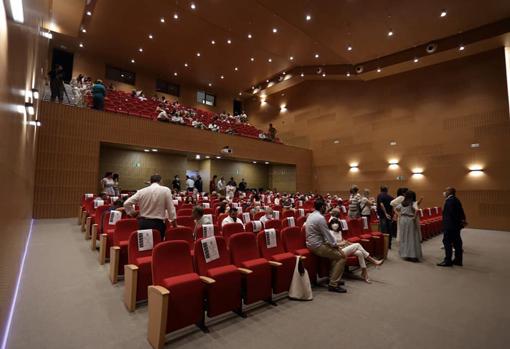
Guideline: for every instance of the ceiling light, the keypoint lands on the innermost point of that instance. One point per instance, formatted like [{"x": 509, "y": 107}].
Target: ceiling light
[
  {"x": 475, "y": 145},
  {"x": 193, "y": 6},
  {"x": 140, "y": 49},
  {"x": 390, "y": 33},
  {"x": 323, "y": 75},
  {"x": 291, "y": 58},
  {"x": 154, "y": 150},
  {"x": 461, "y": 47},
  {"x": 175, "y": 74},
  {"x": 213, "y": 42},
  {"x": 186, "y": 65},
  {"x": 249, "y": 36},
  {"x": 17, "y": 11},
  {"x": 197, "y": 156},
  {"x": 132, "y": 60},
  {"x": 151, "y": 37},
  {"x": 267, "y": 80},
  {"x": 302, "y": 74},
  {"x": 316, "y": 55},
  {"x": 254, "y": 162},
  {"x": 81, "y": 44},
  {"x": 308, "y": 17},
  {"x": 240, "y": 93},
  {"x": 198, "y": 54},
  {"x": 207, "y": 157},
  {"x": 176, "y": 16},
  {"x": 83, "y": 30},
  {"x": 218, "y": 157},
  {"x": 162, "y": 20},
  {"x": 275, "y": 30},
  {"x": 416, "y": 60},
  {"x": 222, "y": 77},
  {"x": 236, "y": 69},
  {"x": 229, "y": 41},
  {"x": 348, "y": 74},
  {"x": 283, "y": 73},
  {"x": 270, "y": 84},
  {"x": 267, "y": 162},
  {"x": 393, "y": 143},
  {"x": 89, "y": 13},
  {"x": 146, "y": 150},
  {"x": 336, "y": 141},
  {"x": 210, "y": 84},
  {"x": 269, "y": 60},
  {"x": 252, "y": 59},
  {"x": 379, "y": 70},
  {"x": 443, "y": 13},
  {"x": 349, "y": 48}
]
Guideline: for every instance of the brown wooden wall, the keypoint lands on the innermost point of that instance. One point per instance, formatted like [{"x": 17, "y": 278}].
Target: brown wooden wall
[
  {"x": 433, "y": 114},
  {"x": 69, "y": 148}
]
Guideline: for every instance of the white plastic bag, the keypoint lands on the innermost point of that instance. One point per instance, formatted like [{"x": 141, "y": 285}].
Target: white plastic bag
[{"x": 300, "y": 287}]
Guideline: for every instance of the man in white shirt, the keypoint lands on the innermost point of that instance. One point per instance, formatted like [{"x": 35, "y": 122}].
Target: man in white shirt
[
  {"x": 156, "y": 205},
  {"x": 232, "y": 217},
  {"x": 221, "y": 186},
  {"x": 190, "y": 183}
]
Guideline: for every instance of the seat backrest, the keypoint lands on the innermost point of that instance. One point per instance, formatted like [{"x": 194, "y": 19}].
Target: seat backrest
[
  {"x": 259, "y": 215},
  {"x": 221, "y": 217},
  {"x": 99, "y": 212},
  {"x": 180, "y": 233},
  {"x": 243, "y": 247},
  {"x": 134, "y": 253},
  {"x": 300, "y": 221},
  {"x": 293, "y": 238},
  {"x": 355, "y": 227},
  {"x": 287, "y": 213},
  {"x": 187, "y": 207},
  {"x": 273, "y": 223},
  {"x": 170, "y": 258},
  {"x": 199, "y": 231},
  {"x": 254, "y": 226},
  {"x": 202, "y": 265},
  {"x": 230, "y": 229},
  {"x": 262, "y": 243},
  {"x": 123, "y": 230},
  {"x": 288, "y": 222},
  {"x": 184, "y": 212},
  {"x": 185, "y": 221}
]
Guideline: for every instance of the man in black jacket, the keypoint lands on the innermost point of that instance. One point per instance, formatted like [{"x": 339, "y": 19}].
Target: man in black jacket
[{"x": 454, "y": 220}]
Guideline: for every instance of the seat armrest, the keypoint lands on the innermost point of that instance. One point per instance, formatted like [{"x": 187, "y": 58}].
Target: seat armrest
[
  {"x": 245, "y": 271},
  {"x": 207, "y": 280},
  {"x": 275, "y": 264}
]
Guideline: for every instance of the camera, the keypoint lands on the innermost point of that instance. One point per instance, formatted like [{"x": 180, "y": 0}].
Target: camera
[{"x": 226, "y": 150}]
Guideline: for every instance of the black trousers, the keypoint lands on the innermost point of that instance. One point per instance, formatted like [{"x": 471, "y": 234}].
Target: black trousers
[
  {"x": 387, "y": 227},
  {"x": 452, "y": 240},
  {"x": 153, "y": 223}
]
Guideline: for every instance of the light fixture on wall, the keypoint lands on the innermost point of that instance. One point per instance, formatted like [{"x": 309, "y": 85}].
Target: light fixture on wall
[
  {"x": 267, "y": 162},
  {"x": 354, "y": 167},
  {"x": 283, "y": 108},
  {"x": 254, "y": 162},
  {"x": 35, "y": 93},
  {"x": 476, "y": 170},
  {"x": 34, "y": 123},
  {"x": 417, "y": 172},
  {"x": 207, "y": 157},
  {"x": 393, "y": 164},
  {"x": 47, "y": 34},
  {"x": 393, "y": 143},
  {"x": 29, "y": 107},
  {"x": 218, "y": 157}
]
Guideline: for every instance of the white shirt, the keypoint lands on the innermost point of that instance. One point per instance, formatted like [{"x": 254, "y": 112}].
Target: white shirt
[
  {"x": 229, "y": 220},
  {"x": 155, "y": 201},
  {"x": 190, "y": 183},
  {"x": 220, "y": 185},
  {"x": 265, "y": 218}
]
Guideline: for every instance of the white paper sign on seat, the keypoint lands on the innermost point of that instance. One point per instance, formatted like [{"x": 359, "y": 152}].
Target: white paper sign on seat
[
  {"x": 270, "y": 238},
  {"x": 210, "y": 249},
  {"x": 114, "y": 217},
  {"x": 344, "y": 225},
  {"x": 145, "y": 240},
  {"x": 207, "y": 230},
  {"x": 291, "y": 222},
  {"x": 257, "y": 226}
]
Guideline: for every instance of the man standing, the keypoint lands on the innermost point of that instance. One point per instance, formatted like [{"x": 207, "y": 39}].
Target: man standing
[
  {"x": 221, "y": 186},
  {"x": 322, "y": 243},
  {"x": 242, "y": 186},
  {"x": 190, "y": 183},
  {"x": 385, "y": 213},
  {"x": 57, "y": 83},
  {"x": 155, "y": 203},
  {"x": 176, "y": 183},
  {"x": 454, "y": 220},
  {"x": 198, "y": 184},
  {"x": 354, "y": 203}
]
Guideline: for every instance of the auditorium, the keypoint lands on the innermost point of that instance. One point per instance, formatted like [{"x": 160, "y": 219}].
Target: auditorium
[{"x": 255, "y": 174}]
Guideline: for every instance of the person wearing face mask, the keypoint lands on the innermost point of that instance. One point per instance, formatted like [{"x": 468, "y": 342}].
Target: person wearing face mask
[
  {"x": 352, "y": 249},
  {"x": 268, "y": 216},
  {"x": 176, "y": 183},
  {"x": 454, "y": 220},
  {"x": 321, "y": 243},
  {"x": 232, "y": 217}
]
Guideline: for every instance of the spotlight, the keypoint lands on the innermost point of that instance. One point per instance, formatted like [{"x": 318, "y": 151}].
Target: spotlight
[
  {"x": 89, "y": 13},
  {"x": 146, "y": 150},
  {"x": 348, "y": 74},
  {"x": 236, "y": 68},
  {"x": 390, "y": 33},
  {"x": 249, "y": 36},
  {"x": 267, "y": 162},
  {"x": 254, "y": 162},
  {"x": 186, "y": 65},
  {"x": 308, "y": 17},
  {"x": 162, "y": 20},
  {"x": 176, "y": 16},
  {"x": 461, "y": 47},
  {"x": 213, "y": 42},
  {"x": 252, "y": 59},
  {"x": 302, "y": 75},
  {"x": 222, "y": 77},
  {"x": 379, "y": 70},
  {"x": 197, "y": 156},
  {"x": 132, "y": 60},
  {"x": 151, "y": 37},
  {"x": 210, "y": 84},
  {"x": 81, "y": 45},
  {"x": 140, "y": 49},
  {"x": 229, "y": 41},
  {"x": 218, "y": 157},
  {"x": 83, "y": 30},
  {"x": 175, "y": 74},
  {"x": 193, "y": 6},
  {"x": 275, "y": 30},
  {"x": 336, "y": 141},
  {"x": 198, "y": 54},
  {"x": 416, "y": 60},
  {"x": 443, "y": 13},
  {"x": 393, "y": 143},
  {"x": 316, "y": 55},
  {"x": 349, "y": 48},
  {"x": 291, "y": 58},
  {"x": 269, "y": 60}
]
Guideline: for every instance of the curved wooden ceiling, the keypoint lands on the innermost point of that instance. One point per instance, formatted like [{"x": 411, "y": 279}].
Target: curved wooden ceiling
[{"x": 117, "y": 29}]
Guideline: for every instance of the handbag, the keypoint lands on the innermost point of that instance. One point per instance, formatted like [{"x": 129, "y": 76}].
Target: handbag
[{"x": 300, "y": 287}]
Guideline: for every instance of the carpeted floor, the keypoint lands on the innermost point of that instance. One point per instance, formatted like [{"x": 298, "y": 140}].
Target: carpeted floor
[{"x": 67, "y": 301}]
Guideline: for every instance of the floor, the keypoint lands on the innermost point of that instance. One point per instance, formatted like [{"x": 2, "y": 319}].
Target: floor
[{"x": 67, "y": 301}]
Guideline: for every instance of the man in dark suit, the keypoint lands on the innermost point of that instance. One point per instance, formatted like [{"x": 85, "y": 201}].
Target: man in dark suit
[{"x": 454, "y": 220}]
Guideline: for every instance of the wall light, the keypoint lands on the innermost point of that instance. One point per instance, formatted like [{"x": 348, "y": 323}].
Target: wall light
[
  {"x": 29, "y": 107},
  {"x": 283, "y": 108},
  {"x": 254, "y": 162},
  {"x": 267, "y": 162},
  {"x": 17, "y": 10},
  {"x": 476, "y": 170},
  {"x": 218, "y": 157},
  {"x": 417, "y": 171},
  {"x": 263, "y": 101},
  {"x": 47, "y": 34},
  {"x": 207, "y": 157},
  {"x": 393, "y": 164},
  {"x": 354, "y": 167}
]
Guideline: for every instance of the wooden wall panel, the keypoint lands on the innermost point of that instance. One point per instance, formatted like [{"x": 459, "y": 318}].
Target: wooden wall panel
[
  {"x": 433, "y": 113},
  {"x": 69, "y": 153}
]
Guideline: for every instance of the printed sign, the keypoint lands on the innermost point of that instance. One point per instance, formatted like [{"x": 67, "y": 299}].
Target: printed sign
[
  {"x": 175, "y": 202},
  {"x": 276, "y": 215},
  {"x": 114, "y": 217},
  {"x": 421, "y": 212},
  {"x": 270, "y": 238},
  {"x": 291, "y": 222},
  {"x": 344, "y": 210},
  {"x": 207, "y": 230},
  {"x": 207, "y": 218},
  {"x": 98, "y": 203},
  {"x": 145, "y": 240},
  {"x": 257, "y": 226},
  {"x": 210, "y": 249},
  {"x": 437, "y": 209},
  {"x": 301, "y": 212},
  {"x": 206, "y": 205},
  {"x": 246, "y": 217},
  {"x": 344, "y": 225},
  {"x": 365, "y": 223},
  {"x": 114, "y": 198},
  {"x": 124, "y": 195},
  {"x": 235, "y": 205},
  {"x": 89, "y": 195}
]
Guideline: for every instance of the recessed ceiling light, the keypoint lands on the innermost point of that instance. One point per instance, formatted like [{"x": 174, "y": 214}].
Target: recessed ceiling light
[
  {"x": 222, "y": 77},
  {"x": 229, "y": 41},
  {"x": 207, "y": 157},
  {"x": 283, "y": 73},
  {"x": 316, "y": 55},
  {"x": 252, "y": 59},
  {"x": 146, "y": 150},
  {"x": 291, "y": 58},
  {"x": 379, "y": 70},
  {"x": 240, "y": 93},
  {"x": 393, "y": 143},
  {"x": 81, "y": 44},
  {"x": 349, "y": 48},
  {"x": 162, "y": 20},
  {"x": 249, "y": 36},
  {"x": 83, "y": 30},
  {"x": 269, "y": 60},
  {"x": 236, "y": 68},
  {"x": 275, "y": 30},
  {"x": 267, "y": 162},
  {"x": 186, "y": 65},
  {"x": 140, "y": 49},
  {"x": 348, "y": 74},
  {"x": 443, "y": 13},
  {"x": 89, "y": 13},
  {"x": 254, "y": 162},
  {"x": 336, "y": 141},
  {"x": 308, "y": 17},
  {"x": 475, "y": 145},
  {"x": 132, "y": 60},
  {"x": 323, "y": 75},
  {"x": 154, "y": 150},
  {"x": 416, "y": 60},
  {"x": 151, "y": 37},
  {"x": 267, "y": 80},
  {"x": 213, "y": 42},
  {"x": 302, "y": 74},
  {"x": 198, "y": 54},
  {"x": 175, "y": 74},
  {"x": 210, "y": 84},
  {"x": 218, "y": 157},
  {"x": 461, "y": 48},
  {"x": 176, "y": 16},
  {"x": 193, "y": 6},
  {"x": 390, "y": 33}
]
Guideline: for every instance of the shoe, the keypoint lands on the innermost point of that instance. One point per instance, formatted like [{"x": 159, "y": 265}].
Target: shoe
[
  {"x": 457, "y": 263},
  {"x": 337, "y": 289},
  {"x": 444, "y": 264}
]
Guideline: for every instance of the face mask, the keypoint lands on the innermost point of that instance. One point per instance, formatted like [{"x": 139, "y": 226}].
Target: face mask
[{"x": 335, "y": 226}]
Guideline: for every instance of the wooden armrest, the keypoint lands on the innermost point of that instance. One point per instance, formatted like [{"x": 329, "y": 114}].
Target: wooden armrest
[
  {"x": 130, "y": 267},
  {"x": 275, "y": 264},
  {"x": 158, "y": 290},
  {"x": 375, "y": 237},
  {"x": 207, "y": 280},
  {"x": 245, "y": 271},
  {"x": 302, "y": 258},
  {"x": 116, "y": 247},
  {"x": 365, "y": 240}
]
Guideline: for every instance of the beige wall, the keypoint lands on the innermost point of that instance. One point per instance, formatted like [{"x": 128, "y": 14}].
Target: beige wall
[
  {"x": 255, "y": 175},
  {"x": 22, "y": 54},
  {"x": 433, "y": 113},
  {"x": 282, "y": 178},
  {"x": 96, "y": 68}
]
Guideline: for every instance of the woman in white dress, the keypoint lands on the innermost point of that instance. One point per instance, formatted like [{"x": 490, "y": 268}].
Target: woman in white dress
[
  {"x": 352, "y": 249},
  {"x": 394, "y": 203},
  {"x": 409, "y": 226},
  {"x": 107, "y": 184}
]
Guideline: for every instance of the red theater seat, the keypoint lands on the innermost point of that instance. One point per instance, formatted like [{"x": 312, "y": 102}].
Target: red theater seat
[
  {"x": 181, "y": 233},
  {"x": 119, "y": 251},
  {"x": 185, "y": 221},
  {"x": 294, "y": 241},
  {"x": 274, "y": 224},
  {"x": 230, "y": 229}
]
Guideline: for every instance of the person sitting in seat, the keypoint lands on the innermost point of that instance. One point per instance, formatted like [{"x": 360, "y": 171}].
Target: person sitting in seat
[
  {"x": 213, "y": 127},
  {"x": 232, "y": 217},
  {"x": 177, "y": 118},
  {"x": 198, "y": 216},
  {"x": 350, "y": 249},
  {"x": 162, "y": 114},
  {"x": 268, "y": 216},
  {"x": 335, "y": 214}
]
